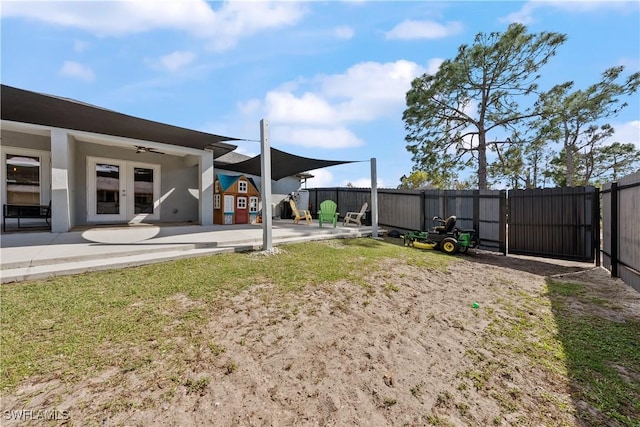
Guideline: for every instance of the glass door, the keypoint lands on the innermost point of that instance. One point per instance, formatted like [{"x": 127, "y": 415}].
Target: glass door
[
  {"x": 120, "y": 191},
  {"x": 107, "y": 190},
  {"x": 144, "y": 186}
]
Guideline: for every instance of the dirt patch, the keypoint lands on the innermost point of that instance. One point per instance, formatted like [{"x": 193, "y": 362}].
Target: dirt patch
[{"x": 406, "y": 348}]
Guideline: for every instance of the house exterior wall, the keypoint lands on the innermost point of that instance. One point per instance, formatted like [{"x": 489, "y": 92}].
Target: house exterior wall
[
  {"x": 66, "y": 180},
  {"x": 25, "y": 140},
  {"x": 178, "y": 181}
]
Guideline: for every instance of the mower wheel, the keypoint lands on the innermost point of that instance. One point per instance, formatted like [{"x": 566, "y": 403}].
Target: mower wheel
[
  {"x": 464, "y": 249},
  {"x": 449, "y": 245}
]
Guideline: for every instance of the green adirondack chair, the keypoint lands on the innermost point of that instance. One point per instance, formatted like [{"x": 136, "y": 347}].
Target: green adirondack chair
[{"x": 327, "y": 212}]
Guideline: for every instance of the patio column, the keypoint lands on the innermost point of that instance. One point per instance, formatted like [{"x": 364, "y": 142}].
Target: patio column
[
  {"x": 205, "y": 168},
  {"x": 374, "y": 198},
  {"x": 61, "y": 167},
  {"x": 265, "y": 168}
]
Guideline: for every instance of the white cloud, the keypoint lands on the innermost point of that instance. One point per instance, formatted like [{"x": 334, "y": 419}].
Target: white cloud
[
  {"x": 316, "y": 112},
  {"x": 223, "y": 27},
  {"x": 330, "y": 137},
  {"x": 410, "y": 29},
  {"x": 526, "y": 14},
  {"x": 523, "y": 16},
  {"x": 366, "y": 91},
  {"x": 626, "y": 133},
  {"x": 250, "y": 107},
  {"x": 309, "y": 108},
  {"x": 434, "y": 65},
  {"x": 321, "y": 178},
  {"x": 344, "y": 32},
  {"x": 78, "y": 71},
  {"x": 80, "y": 46},
  {"x": 176, "y": 60}
]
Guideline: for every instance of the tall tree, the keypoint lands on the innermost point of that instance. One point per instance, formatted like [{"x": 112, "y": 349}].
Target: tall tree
[
  {"x": 602, "y": 164},
  {"x": 449, "y": 114},
  {"x": 417, "y": 179},
  {"x": 615, "y": 161},
  {"x": 422, "y": 180},
  {"x": 574, "y": 118}
]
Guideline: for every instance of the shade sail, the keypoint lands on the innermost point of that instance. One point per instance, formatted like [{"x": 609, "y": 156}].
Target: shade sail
[
  {"x": 24, "y": 106},
  {"x": 282, "y": 165}
]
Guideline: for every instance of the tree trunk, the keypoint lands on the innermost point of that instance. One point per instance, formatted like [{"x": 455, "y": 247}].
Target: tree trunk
[
  {"x": 569, "y": 156},
  {"x": 482, "y": 161}
]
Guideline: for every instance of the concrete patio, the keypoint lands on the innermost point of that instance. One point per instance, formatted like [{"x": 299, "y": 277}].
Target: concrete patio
[{"x": 29, "y": 255}]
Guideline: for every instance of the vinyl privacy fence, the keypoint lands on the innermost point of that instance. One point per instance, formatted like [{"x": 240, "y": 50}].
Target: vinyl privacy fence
[
  {"x": 560, "y": 223},
  {"x": 621, "y": 229}
]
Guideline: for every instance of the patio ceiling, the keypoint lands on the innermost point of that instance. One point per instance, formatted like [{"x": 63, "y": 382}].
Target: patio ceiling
[{"x": 24, "y": 106}]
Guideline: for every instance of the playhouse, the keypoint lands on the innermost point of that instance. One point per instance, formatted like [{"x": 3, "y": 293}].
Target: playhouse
[{"x": 235, "y": 200}]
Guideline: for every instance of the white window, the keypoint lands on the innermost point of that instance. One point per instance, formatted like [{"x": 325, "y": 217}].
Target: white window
[
  {"x": 217, "y": 187},
  {"x": 242, "y": 203},
  {"x": 242, "y": 187},
  {"x": 253, "y": 204},
  {"x": 216, "y": 201}
]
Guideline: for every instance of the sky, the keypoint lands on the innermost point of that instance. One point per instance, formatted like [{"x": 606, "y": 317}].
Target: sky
[{"x": 330, "y": 77}]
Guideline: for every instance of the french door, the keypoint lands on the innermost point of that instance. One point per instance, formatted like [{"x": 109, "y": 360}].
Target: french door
[{"x": 120, "y": 190}]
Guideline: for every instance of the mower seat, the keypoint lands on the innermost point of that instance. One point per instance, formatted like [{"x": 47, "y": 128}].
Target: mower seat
[{"x": 447, "y": 226}]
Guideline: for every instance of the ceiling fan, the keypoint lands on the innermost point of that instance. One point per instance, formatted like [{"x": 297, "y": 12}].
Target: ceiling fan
[{"x": 141, "y": 149}]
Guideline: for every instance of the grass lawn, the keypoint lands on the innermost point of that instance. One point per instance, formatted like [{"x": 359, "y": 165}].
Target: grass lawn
[
  {"x": 69, "y": 323},
  {"x": 74, "y": 327}
]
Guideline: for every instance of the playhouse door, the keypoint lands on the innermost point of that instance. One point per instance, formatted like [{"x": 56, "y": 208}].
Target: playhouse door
[
  {"x": 242, "y": 211},
  {"x": 228, "y": 209}
]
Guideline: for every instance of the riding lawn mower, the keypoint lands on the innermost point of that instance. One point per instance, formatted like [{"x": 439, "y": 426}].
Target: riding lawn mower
[{"x": 444, "y": 236}]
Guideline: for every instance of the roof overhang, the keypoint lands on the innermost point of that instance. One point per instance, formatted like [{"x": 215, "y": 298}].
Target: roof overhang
[{"x": 19, "y": 105}]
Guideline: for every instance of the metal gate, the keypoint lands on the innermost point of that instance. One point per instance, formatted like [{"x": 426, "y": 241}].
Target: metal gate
[{"x": 559, "y": 223}]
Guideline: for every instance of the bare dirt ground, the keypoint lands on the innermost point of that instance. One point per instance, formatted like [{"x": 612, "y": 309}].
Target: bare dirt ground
[{"x": 395, "y": 353}]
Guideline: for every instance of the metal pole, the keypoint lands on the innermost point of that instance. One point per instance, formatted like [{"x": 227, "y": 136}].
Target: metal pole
[
  {"x": 614, "y": 229},
  {"x": 374, "y": 198},
  {"x": 265, "y": 187}
]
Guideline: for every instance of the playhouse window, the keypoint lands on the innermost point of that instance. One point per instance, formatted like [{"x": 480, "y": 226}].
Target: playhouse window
[
  {"x": 242, "y": 187},
  {"x": 253, "y": 204},
  {"x": 217, "y": 187},
  {"x": 216, "y": 201},
  {"x": 242, "y": 203}
]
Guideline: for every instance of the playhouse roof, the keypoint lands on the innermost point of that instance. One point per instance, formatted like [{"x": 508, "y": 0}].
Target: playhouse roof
[{"x": 227, "y": 181}]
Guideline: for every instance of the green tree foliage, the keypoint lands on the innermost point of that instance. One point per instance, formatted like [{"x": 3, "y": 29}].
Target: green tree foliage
[
  {"x": 602, "y": 164},
  {"x": 574, "y": 119},
  {"x": 423, "y": 180},
  {"x": 449, "y": 114},
  {"x": 615, "y": 161},
  {"x": 417, "y": 179},
  {"x": 522, "y": 164}
]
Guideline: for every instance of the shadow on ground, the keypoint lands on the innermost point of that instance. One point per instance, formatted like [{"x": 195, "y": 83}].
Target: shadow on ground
[{"x": 598, "y": 321}]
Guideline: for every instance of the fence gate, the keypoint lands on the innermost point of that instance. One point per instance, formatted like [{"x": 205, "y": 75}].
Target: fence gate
[{"x": 559, "y": 223}]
